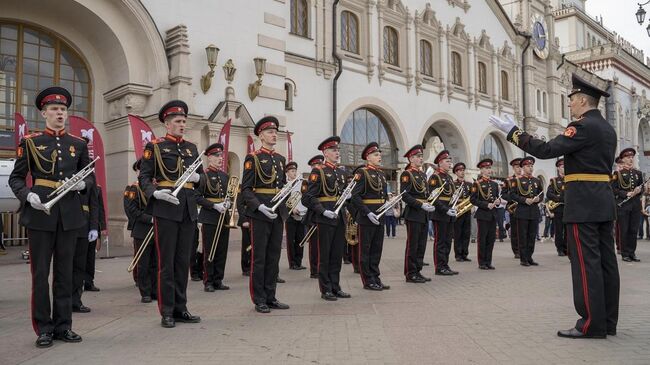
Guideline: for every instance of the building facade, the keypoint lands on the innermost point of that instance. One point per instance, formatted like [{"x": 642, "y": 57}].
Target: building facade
[{"x": 410, "y": 72}]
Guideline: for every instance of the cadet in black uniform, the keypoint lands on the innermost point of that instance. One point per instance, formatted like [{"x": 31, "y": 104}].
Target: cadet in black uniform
[
  {"x": 263, "y": 178},
  {"x": 213, "y": 205},
  {"x": 588, "y": 145},
  {"x": 368, "y": 195},
  {"x": 527, "y": 191},
  {"x": 165, "y": 161},
  {"x": 352, "y": 249},
  {"x": 51, "y": 157},
  {"x": 555, "y": 194},
  {"x": 627, "y": 184},
  {"x": 141, "y": 223},
  {"x": 444, "y": 215},
  {"x": 129, "y": 218},
  {"x": 463, "y": 224},
  {"x": 96, "y": 244},
  {"x": 617, "y": 167},
  {"x": 86, "y": 234},
  {"x": 326, "y": 183},
  {"x": 413, "y": 182},
  {"x": 485, "y": 195},
  {"x": 511, "y": 205},
  {"x": 294, "y": 226},
  {"x": 314, "y": 162},
  {"x": 242, "y": 222}
]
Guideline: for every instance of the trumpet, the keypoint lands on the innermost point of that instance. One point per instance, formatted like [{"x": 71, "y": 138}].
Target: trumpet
[
  {"x": 454, "y": 198},
  {"x": 463, "y": 207},
  {"x": 231, "y": 191},
  {"x": 347, "y": 192},
  {"x": 435, "y": 193},
  {"x": 178, "y": 185},
  {"x": 284, "y": 193},
  {"x": 389, "y": 204},
  {"x": 64, "y": 188},
  {"x": 141, "y": 249}
]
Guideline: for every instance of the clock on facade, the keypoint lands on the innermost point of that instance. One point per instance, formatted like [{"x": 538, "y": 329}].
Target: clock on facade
[{"x": 539, "y": 39}]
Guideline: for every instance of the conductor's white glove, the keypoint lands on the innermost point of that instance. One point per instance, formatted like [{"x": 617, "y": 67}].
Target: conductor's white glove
[
  {"x": 166, "y": 195},
  {"x": 505, "y": 124}
]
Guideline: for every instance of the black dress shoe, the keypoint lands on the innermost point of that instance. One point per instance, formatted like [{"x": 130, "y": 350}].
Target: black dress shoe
[
  {"x": 444, "y": 272},
  {"x": 245, "y": 273},
  {"x": 483, "y": 267},
  {"x": 187, "y": 317},
  {"x": 208, "y": 288},
  {"x": 635, "y": 259},
  {"x": 300, "y": 267},
  {"x": 611, "y": 332},
  {"x": 627, "y": 259},
  {"x": 415, "y": 279},
  {"x": 262, "y": 308},
  {"x": 373, "y": 286},
  {"x": 561, "y": 254},
  {"x": 81, "y": 309},
  {"x": 313, "y": 276},
  {"x": 280, "y": 280},
  {"x": 574, "y": 333},
  {"x": 467, "y": 259},
  {"x": 452, "y": 271},
  {"x": 517, "y": 256},
  {"x": 220, "y": 286},
  {"x": 67, "y": 336},
  {"x": 384, "y": 286},
  {"x": 524, "y": 263},
  {"x": 356, "y": 271},
  {"x": 293, "y": 267},
  {"x": 459, "y": 259},
  {"x": 426, "y": 278},
  {"x": 90, "y": 287},
  {"x": 533, "y": 263},
  {"x": 44, "y": 340},
  {"x": 425, "y": 264},
  {"x": 328, "y": 296},
  {"x": 168, "y": 322},
  {"x": 490, "y": 267},
  {"x": 277, "y": 305},
  {"x": 146, "y": 299},
  {"x": 342, "y": 294}
]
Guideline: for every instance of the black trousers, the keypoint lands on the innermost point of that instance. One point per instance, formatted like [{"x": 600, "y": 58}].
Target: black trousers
[
  {"x": 485, "y": 237},
  {"x": 245, "y": 252},
  {"x": 443, "y": 232},
  {"x": 43, "y": 247},
  {"x": 559, "y": 231},
  {"x": 173, "y": 246},
  {"x": 313, "y": 254},
  {"x": 514, "y": 235},
  {"x": 596, "y": 283},
  {"x": 370, "y": 247},
  {"x": 134, "y": 273},
  {"x": 628, "y": 228},
  {"x": 295, "y": 234},
  {"x": 79, "y": 270},
  {"x": 213, "y": 272},
  {"x": 331, "y": 244},
  {"x": 462, "y": 234},
  {"x": 196, "y": 258},
  {"x": 266, "y": 246},
  {"x": 416, "y": 245},
  {"x": 526, "y": 231},
  {"x": 147, "y": 269},
  {"x": 90, "y": 261}
]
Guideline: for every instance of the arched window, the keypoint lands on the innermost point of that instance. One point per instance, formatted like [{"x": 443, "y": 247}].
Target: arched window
[
  {"x": 563, "y": 105},
  {"x": 288, "y": 93},
  {"x": 32, "y": 59},
  {"x": 482, "y": 78},
  {"x": 426, "y": 58},
  {"x": 300, "y": 18},
  {"x": 349, "y": 32},
  {"x": 456, "y": 69},
  {"x": 391, "y": 46},
  {"x": 544, "y": 102},
  {"x": 492, "y": 148},
  {"x": 539, "y": 102},
  {"x": 362, "y": 127},
  {"x": 505, "y": 94}
]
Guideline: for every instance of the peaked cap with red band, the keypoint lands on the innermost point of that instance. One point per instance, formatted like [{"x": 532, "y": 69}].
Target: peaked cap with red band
[
  {"x": 174, "y": 107},
  {"x": 53, "y": 95}
]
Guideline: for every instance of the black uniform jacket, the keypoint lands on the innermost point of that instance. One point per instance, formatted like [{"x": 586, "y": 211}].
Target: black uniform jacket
[
  {"x": 90, "y": 207},
  {"x": 212, "y": 191},
  {"x": 624, "y": 181},
  {"x": 135, "y": 204},
  {"x": 263, "y": 177},
  {"x": 325, "y": 185},
  {"x": 555, "y": 193},
  {"x": 438, "y": 179},
  {"x": 369, "y": 193},
  {"x": 484, "y": 191},
  {"x": 413, "y": 182},
  {"x": 522, "y": 188}
]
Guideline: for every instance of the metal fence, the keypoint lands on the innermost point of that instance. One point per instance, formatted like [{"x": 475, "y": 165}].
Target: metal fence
[{"x": 13, "y": 234}]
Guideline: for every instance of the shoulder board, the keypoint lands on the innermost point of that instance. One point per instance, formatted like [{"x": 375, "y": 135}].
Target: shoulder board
[
  {"x": 32, "y": 135},
  {"x": 77, "y": 137}
]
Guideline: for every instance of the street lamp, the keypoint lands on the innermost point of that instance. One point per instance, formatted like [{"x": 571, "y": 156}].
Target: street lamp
[{"x": 640, "y": 14}]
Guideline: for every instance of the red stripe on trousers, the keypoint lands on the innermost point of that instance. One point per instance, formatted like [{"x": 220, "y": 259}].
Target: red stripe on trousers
[
  {"x": 159, "y": 301},
  {"x": 286, "y": 230},
  {"x": 31, "y": 270},
  {"x": 205, "y": 264},
  {"x": 318, "y": 255},
  {"x": 408, "y": 248},
  {"x": 435, "y": 245},
  {"x": 250, "y": 277},
  {"x": 478, "y": 242},
  {"x": 583, "y": 275},
  {"x": 363, "y": 278}
]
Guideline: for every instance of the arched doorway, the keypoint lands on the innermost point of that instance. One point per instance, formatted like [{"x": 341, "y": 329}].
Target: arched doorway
[
  {"x": 362, "y": 127},
  {"x": 443, "y": 134},
  {"x": 493, "y": 148},
  {"x": 644, "y": 145}
]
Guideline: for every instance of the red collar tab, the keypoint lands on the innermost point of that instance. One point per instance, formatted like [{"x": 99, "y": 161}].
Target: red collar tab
[
  {"x": 174, "y": 139},
  {"x": 52, "y": 132},
  {"x": 483, "y": 178},
  {"x": 441, "y": 171},
  {"x": 173, "y": 111},
  {"x": 329, "y": 164},
  {"x": 210, "y": 168},
  {"x": 54, "y": 99},
  {"x": 266, "y": 150},
  {"x": 373, "y": 167},
  {"x": 413, "y": 168}
]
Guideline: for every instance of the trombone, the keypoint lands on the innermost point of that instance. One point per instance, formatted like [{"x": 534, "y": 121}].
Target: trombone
[
  {"x": 231, "y": 191},
  {"x": 138, "y": 254},
  {"x": 347, "y": 193},
  {"x": 67, "y": 185},
  {"x": 178, "y": 185},
  {"x": 284, "y": 193},
  {"x": 389, "y": 204}
]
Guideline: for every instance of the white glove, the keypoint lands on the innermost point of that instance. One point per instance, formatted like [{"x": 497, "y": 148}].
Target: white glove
[
  {"x": 267, "y": 211},
  {"x": 194, "y": 178},
  {"x": 451, "y": 212},
  {"x": 78, "y": 186},
  {"x": 220, "y": 207},
  {"x": 501, "y": 124},
  {"x": 166, "y": 195},
  {"x": 297, "y": 217},
  {"x": 373, "y": 218},
  {"x": 428, "y": 207},
  {"x": 92, "y": 235},
  {"x": 226, "y": 204},
  {"x": 35, "y": 201},
  {"x": 329, "y": 214}
]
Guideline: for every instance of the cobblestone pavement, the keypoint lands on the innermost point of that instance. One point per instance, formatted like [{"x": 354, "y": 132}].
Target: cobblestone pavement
[{"x": 506, "y": 316}]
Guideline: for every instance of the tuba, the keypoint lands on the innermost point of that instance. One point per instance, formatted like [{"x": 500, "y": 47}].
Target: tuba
[
  {"x": 551, "y": 205},
  {"x": 350, "y": 230}
]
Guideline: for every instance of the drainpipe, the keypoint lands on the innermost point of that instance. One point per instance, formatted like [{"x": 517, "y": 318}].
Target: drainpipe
[
  {"x": 338, "y": 72},
  {"x": 523, "y": 76}
]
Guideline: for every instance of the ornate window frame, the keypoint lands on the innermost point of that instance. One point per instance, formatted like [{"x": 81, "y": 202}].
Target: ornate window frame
[
  {"x": 458, "y": 41},
  {"x": 428, "y": 28},
  {"x": 308, "y": 7},
  {"x": 362, "y": 9},
  {"x": 484, "y": 53},
  {"x": 506, "y": 63},
  {"x": 393, "y": 13},
  {"x": 356, "y": 19}
]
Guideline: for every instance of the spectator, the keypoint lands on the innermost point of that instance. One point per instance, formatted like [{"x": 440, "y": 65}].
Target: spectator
[{"x": 391, "y": 219}]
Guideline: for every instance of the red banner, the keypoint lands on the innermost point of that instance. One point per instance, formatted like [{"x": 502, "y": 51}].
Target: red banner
[
  {"x": 251, "y": 145},
  {"x": 83, "y": 128},
  {"x": 224, "y": 139},
  {"x": 289, "y": 148},
  {"x": 21, "y": 130},
  {"x": 142, "y": 134}
]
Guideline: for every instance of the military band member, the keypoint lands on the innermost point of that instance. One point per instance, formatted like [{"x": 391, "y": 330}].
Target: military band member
[
  {"x": 86, "y": 234},
  {"x": 129, "y": 224},
  {"x": 314, "y": 162},
  {"x": 326, "y": 183},
  {"x": 213, "y": 204},
  {"x": 444, "y": 216},
  {"x": 95, "y": 245},
  {"x": 617, "y": 167},
  {"x": 141, "y": 224},
  {"x": 164, "y": 161},
  {"x": 627, "y": 184},
  {"x": 242, "y": 222},
  {"x": 527, "y": 191},
  {"x": 352, "y": 248},
  {"x": 51, "y": 157},
  {"x": 485, "y": 195},
  {"x": 294, "y": 226},
  {"x": 368, "y": 195},
  {"x": 511, "y": 205},
  {"x": 263, "y": 178},
  {"x": 413, "y": 182},
  {"x": 463, "y": 224},
  {"x": 555, "y": 194},
  {"x": 588, "y": 145}
]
